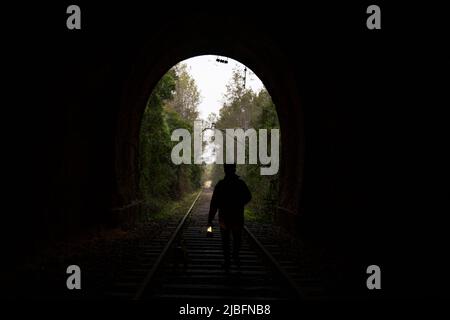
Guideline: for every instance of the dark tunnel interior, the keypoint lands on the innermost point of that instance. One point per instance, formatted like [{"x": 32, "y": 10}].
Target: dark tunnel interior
[{"x": 349, "y": 186}]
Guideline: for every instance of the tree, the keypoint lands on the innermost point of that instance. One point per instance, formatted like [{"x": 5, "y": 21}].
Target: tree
[
  {"x": 245, "y": 109},
  {"x": 160, "y": 180},
  {"x": 235, "y": 88},
  {"x": 211, "y": 120},
  {"x": 154, "y": 149},
  {"x": 186, "y": 97}
]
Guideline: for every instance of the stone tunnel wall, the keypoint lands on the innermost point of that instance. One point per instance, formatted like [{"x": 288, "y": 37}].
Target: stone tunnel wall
[{"x": 85, "y": 96}]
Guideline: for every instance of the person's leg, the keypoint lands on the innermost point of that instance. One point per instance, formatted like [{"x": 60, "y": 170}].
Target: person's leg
[
  {"x": 237, "y": 239},
  {"x": 225, "y": 233}
]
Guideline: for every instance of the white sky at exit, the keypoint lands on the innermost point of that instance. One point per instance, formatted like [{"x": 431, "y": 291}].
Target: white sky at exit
[{"x": 212, "y": 77}]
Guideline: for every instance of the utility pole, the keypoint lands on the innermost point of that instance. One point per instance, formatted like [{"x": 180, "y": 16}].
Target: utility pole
[{"x": 243, "y": 108}]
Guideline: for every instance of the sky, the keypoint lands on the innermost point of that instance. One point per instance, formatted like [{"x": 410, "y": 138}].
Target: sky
[{"x": 212, "y": 77}]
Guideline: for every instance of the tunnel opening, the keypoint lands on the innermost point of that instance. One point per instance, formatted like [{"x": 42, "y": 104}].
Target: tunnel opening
[
  {"x": 274, "y": 71},
  {"x": 219, "y": 101}
]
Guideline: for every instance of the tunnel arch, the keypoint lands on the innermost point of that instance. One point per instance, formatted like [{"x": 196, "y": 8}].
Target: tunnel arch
[
  {"x": 351, "y": 86},
  {"x": 256, "y": 52}
]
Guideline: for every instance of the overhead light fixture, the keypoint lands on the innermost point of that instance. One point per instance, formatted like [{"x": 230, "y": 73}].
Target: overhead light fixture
[{"x": 222, "y": 60}]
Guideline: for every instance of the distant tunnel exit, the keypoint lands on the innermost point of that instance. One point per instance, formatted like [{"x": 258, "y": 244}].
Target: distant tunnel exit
[{"x": 204, "y": 114}]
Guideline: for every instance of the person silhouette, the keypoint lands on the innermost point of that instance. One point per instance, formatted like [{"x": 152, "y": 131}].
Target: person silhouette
[{"x": 230, "y": 196}]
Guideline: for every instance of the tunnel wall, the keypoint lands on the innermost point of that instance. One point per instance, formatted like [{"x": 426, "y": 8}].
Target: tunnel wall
[{"x": 338, "y": 100}]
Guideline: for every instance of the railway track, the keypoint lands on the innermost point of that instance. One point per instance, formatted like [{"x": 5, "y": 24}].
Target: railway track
[{"x": 185, "y": 265}]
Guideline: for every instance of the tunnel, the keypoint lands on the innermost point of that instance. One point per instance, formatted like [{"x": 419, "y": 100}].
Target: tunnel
[{"x": 334, "y": 89}]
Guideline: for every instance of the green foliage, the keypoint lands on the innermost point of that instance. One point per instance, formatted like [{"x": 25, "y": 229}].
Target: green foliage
[
  {"x": 247, "y": 109},
  {"x": 186, "y": 97},
  {"x": 161, "y": 182},
  {"x": 173, "y": 104}
]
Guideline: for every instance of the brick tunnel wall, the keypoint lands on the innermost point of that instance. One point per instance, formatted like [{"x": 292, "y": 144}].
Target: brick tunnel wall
[{"x": 339, "y": 173}]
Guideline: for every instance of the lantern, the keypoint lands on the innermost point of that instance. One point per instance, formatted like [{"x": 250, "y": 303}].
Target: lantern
[{"x": 209, "y": 232}]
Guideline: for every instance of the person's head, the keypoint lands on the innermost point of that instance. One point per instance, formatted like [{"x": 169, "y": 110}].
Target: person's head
[{"x": 229, "y": 169}]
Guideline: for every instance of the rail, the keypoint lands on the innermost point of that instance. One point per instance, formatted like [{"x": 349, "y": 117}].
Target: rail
[{"x": 148, "y": 279}]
